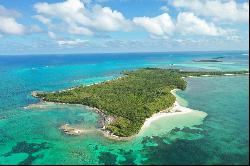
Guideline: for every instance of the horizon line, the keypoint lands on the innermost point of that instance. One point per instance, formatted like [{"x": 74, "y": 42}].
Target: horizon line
[{"x": 141, "y": 52}]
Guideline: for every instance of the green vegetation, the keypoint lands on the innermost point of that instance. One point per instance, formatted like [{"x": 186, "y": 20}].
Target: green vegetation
[
  {"x": 132, "y": 98},
  {"x": 208, "y": 60},
  {"x": 213, "y": 73}
]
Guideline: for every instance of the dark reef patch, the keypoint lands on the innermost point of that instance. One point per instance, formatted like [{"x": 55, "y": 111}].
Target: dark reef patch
[
  {"x": 107, "y": 158},
  {"x": 129, "y": 156},
  {"x": 30, "y": 149}
]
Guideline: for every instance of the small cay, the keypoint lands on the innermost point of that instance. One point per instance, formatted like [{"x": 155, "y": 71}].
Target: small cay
[{"x": 67, "y": 129}]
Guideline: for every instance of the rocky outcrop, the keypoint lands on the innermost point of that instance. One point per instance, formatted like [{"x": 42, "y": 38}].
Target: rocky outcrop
[{"x": 67, "y": 129}]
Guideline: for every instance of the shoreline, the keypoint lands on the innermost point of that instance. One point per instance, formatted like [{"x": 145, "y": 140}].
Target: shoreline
[
  {"x": 72, "y": 88},
  {"x": 175, "y": 110}
]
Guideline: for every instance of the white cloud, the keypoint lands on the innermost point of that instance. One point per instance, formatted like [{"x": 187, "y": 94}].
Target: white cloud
[
  {"x": 52, "y": 35},
  {"x": 43, "y": 19},
  {"x": 79, "y": 30},
  {"x": 161, "y": 25},
  {"x": 106, "y": 19},
  {"x": 8, "y": 13},
  {"x": 76, "y": 42},
  {"x": 79, "y": 17},
  {"x": 34, "y": 29},
  {"x": 81, "y": 20},
  {"x": 8, "y": 24},
  {"x": 188, "y": 23},
  {"x": 164, "y": 8},
  {"x": 227, "y": 10},
  {"x": 59, "y": 40}
]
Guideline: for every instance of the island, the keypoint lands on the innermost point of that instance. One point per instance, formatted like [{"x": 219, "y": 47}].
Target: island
[
  {"x": 219, "y": 57},
  {"x": 208, "y": 60},
  {"x": 126, "y": 102}
]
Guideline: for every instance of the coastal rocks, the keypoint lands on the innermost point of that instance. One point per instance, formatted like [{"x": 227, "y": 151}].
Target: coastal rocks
[
  {"x": 34, "y": 93},
  {"x": 109, "y": 120},
  {"x": 110, "y": 135},
  {"x": 71, "y": 130},
  {"x": 105, "y": 119}
]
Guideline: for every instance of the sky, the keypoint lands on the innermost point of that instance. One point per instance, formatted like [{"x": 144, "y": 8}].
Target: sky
[{"x": 98, "y": 26}]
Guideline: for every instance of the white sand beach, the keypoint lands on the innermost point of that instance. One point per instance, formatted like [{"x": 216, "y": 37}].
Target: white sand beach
[
  {"x": 179, "y": 116},
  {"x": 229, "y": 74},
  {"x": 176, "y": 110}
]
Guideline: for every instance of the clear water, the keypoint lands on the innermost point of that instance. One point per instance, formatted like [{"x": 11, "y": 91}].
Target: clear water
[{"x": 31, "y": 136}]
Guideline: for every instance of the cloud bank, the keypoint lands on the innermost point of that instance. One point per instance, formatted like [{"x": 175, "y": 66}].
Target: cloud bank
[
  {"x": 8, "y": 23},
  {"x": 80, "y": 20},
  {"x": 220, "y": 10}
]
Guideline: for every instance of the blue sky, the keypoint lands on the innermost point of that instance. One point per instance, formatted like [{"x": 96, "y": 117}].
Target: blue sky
[{"x": 89, "y": 26}]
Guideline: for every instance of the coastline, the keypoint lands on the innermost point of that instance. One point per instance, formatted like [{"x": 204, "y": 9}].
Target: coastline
[
  {"x": 175, "y": 110},
  {"x": 72, "y": 88}
]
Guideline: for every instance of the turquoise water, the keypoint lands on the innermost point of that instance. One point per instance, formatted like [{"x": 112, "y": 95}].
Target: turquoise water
[
  {"x": 226, "y": 128},
  {"x": 216, "y": 134}
]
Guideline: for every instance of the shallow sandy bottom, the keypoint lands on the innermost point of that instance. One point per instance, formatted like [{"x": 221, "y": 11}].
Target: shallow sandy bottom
[{"x": 178, "y": 117}]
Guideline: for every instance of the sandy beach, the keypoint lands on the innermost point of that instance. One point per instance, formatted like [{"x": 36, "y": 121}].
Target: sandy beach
[
  {"x": 176, "y": 110},
  {"x": 229, "y": 74}
]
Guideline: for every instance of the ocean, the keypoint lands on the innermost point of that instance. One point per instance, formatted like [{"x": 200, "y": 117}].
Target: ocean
[{"x": 217, "y": 133}]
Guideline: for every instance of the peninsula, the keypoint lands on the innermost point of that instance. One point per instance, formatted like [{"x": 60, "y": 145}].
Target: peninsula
[{"x": 129, "y": 100}]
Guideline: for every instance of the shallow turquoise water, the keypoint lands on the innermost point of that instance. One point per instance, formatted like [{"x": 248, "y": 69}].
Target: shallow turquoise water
[{"x": 31, "y": 136}]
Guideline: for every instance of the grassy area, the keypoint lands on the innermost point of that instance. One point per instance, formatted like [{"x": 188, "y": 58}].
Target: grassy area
[{"x": 132, "y": 98}]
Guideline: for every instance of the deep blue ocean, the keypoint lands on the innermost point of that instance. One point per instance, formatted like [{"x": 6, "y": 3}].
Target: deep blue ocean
[{"x": 31, "y": 136}]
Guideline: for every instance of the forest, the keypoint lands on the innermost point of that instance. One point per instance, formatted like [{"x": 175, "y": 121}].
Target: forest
[{"x": 132, "y": 98}]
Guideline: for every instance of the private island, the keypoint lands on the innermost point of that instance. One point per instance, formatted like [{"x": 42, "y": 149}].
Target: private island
[
  {"x": 216, "y": 59},
  {"x": 126, "y": 102}
]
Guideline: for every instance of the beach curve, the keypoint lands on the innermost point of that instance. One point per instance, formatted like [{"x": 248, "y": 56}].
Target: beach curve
[{"x": 176, "y": 110}]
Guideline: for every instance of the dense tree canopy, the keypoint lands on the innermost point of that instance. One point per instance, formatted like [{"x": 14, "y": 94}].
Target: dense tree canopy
[{"x": 132, "y": 98}]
